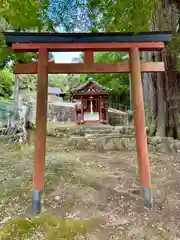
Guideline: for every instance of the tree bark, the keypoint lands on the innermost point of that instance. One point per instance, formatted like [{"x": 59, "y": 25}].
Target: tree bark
[
  {"x": 161, "y": 90},
  {"x": 150, "y": 97}
]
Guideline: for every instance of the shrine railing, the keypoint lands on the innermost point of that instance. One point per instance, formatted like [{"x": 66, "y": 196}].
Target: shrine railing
[{"x": 118, "y": 106}]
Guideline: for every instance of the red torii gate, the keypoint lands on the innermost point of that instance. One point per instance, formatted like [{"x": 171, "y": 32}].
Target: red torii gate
[{"x": 88, "y": 43}]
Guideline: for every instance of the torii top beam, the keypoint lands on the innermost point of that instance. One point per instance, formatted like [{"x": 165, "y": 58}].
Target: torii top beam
[{"x": 31, "y": 42}]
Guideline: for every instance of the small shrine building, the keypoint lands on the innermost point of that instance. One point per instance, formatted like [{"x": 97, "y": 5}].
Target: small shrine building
[{"x": 93, "y": 107}]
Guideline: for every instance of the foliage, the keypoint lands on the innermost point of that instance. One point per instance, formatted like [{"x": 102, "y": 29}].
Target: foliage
[
  {"x": 48, "y": 227},
  {"x": 119, "y": 83},
  {"x": 6, "y": 98},
  {"x": 135, "y": 16},
  {"x": 73, "y": 80},
  {"x": 70, "y": 15},
  {"x": 34, "y": 13},
  {"x": 6, "y": 77},
  {"x": 58, "y": 80},
  {"x": 28, "y": 81},
  {"x": 24, "y": 15},
  {"x": 64, "y": 82},
  {"x": 44, "y": 15},
  {"x": 122, "y": 15}
]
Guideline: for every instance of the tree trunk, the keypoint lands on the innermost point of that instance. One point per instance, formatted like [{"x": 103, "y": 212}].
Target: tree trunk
[
  {"x": 173, "y": 97},
  {"x": 161, "y": 90},
  {"x": 149, "y": 91}
]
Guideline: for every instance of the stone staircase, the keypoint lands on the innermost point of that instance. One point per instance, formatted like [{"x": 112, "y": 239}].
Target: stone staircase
[
  {"x": 117, "y": 138},
  {"x": 107, "y": 137},
  {"x": 91, "y": 131}
]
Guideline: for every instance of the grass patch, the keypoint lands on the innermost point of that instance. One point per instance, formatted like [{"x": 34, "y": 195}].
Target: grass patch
[
  {"x": 48, "y": 227},
  {"x": 57, "y": 173}
]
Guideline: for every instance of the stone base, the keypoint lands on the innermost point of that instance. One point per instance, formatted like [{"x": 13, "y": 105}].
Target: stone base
[
  {"x": 36, "y": 201},
  {"x": 147, "y": 197}
]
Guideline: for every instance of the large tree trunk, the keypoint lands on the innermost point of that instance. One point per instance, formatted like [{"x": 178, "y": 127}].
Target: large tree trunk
[
  {"x": 173, "y": 97},
  {"x": 161, "y": 90},
  {"x": 150, "y": 97}
]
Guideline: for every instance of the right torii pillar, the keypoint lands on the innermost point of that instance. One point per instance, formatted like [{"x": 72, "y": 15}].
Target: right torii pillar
[{"x": 139, "y": 123}]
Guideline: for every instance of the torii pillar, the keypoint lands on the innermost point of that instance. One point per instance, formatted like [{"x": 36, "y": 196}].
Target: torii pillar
[
  {"x": 41, "y": 119},
  {"x": 139, "y": 123}
]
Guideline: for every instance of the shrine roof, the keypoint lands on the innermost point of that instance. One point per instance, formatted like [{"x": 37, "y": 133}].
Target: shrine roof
[
  {"x": 82, "y": 87},
  {"x": 103, "y": 37}
]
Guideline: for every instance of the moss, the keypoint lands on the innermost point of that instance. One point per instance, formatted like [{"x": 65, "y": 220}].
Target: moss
[
  {"x": 50, "y": 227},
  {"x": 16, "y": 229}
]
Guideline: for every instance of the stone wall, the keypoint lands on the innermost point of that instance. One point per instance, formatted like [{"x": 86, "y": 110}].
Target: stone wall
[
  {"x": 61, "y": 113},
  {"x": 119, "y": 118},
  {"x": 56, "y": 112},
  {"x": 64, "y": 112}
]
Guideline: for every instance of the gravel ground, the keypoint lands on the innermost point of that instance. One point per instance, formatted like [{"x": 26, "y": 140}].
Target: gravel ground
[{"x": 94, "y": 185}]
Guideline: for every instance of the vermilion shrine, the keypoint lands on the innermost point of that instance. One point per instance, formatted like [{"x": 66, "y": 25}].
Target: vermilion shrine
[
  {"x": 92, "y": 107},
  {"x": 89, "y": 43}
]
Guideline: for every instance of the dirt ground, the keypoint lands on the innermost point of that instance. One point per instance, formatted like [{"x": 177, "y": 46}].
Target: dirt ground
[{"x": 94, "y": 185}]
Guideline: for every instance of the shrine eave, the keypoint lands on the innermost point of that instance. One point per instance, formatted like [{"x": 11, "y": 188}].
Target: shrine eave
[
  {"x": 34, "y": 37},
  {"x": 90, "y": 94},
  {"x": 80, "y": 89}
]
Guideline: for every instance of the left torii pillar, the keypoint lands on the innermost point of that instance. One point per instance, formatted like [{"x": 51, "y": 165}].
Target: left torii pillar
[{"x": 41, "y": 121}]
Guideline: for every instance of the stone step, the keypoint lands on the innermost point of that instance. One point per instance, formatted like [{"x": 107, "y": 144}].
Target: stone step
[
  {"x": 57, "y": 129},
  {"x": 96, "y": 132},
  {"x": 155, "y": 144},
  {"x": 118, "y": 130},
  {"x": 113, "y": 135}
]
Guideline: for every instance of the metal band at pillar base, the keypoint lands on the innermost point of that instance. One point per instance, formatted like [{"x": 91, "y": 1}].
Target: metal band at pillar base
[
  {"x": 147, "y": 197},
  {"x": 36, "y": 201}
]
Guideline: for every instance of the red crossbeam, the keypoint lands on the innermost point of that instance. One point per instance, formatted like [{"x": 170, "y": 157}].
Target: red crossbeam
[
  {"x": 65, "y": 47},
  {"x": 81, "y": 68}
]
